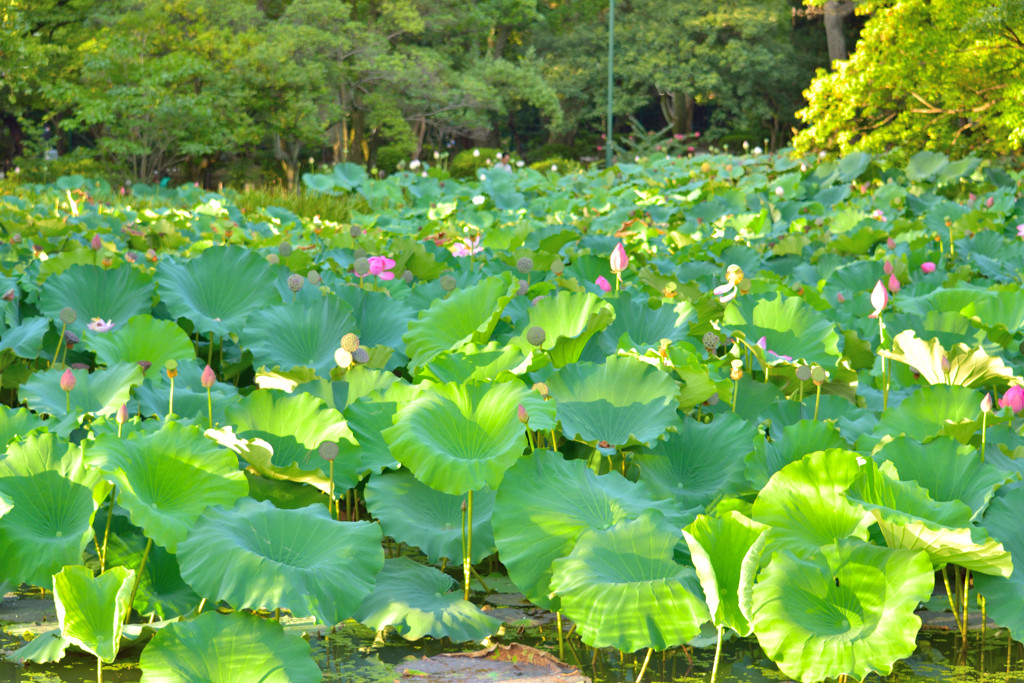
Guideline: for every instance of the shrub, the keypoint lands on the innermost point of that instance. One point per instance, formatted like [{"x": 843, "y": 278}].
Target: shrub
[{"x": 467, "y": 165}]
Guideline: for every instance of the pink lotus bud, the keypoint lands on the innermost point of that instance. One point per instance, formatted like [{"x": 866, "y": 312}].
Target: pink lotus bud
[
  {"x": 986, "y": 403},
  {"x": 890, "y": 243},
  {"x": 95, "y": 243},
  {"x": 840, "y": 298},
  {"x": 122, "y": 414},
  {"x": 894, "y": 284},
  {"x": 971, "y": 196},
  {"x": 879, "y": 299},
  {"x": 207, "y": 378},
  {"x": 603, "y": 283},
  {"x": 944, "y": 364},
  {"x": 67, "y": 380},
  {"x": 619, "y": 260},
  {"x": 989, "y": 202},
  {"x": 9, "y": 294},
  {"x": 522, "y": 414},
  {"x": 887, "y": 267},
  {"x": 927, "y": 267}
]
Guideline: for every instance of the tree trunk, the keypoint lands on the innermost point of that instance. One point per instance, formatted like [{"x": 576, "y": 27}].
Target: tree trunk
[
  {"x": 836, "y": 12},
  {"x": 357, "y": 151},
  {"x": 678, "y": 111}
]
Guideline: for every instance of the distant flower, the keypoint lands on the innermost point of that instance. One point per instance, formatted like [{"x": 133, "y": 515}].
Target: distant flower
[
  {"x": 478, "y": 200},
  {"x": 989, "y": 202},
  {"x": 894, "y": 284},
  {"x": 476, "y": 153},
  {"x": 986, "y": 403},
  {"x": 840, "y": 298},
  {"x": 728, "y": 291},
  {"x": 521, "y": 413},
  {"x": 554, "y": 168},
  {"x": 679, "y": 136},
  {"x": 779, "y": 192},
  {"x": 101, "y": 325},
  {"x": 757, "y": 151},
  {"x": 520, "y": 163},
  {"x": 603, "y": 283},
  {"x": 928, "y": 267},
  {"x": 879, "y": 299},
  {"x": 95, "y": 243},
  {"x": 414, "y": 164},
  {"x": 619, "y": 260},
  {"x": 1020, "y": 231},
  {"x": 67, "y": 381},
  {"x": 878, "y": 215},
  {"x": 890, "y": 243},
  {"x": 381, "y": 267},
  {"x": 122, "y": 414},
  {"x": 207, "y": 378},
  {"x": 466, "y": 247},
  {"x": 887, "y": 267},
  {"x": 1013, "y": 399}
]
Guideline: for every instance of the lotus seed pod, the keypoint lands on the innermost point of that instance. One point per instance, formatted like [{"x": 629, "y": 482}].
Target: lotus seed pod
[
  {"x": 705, "y": 167},
  {"x": 524, "y": 286},
  {"x": 818, "y": 374},
  {"x": 314, "y": 278},
  {"x": 736, "y": 374},
  {"x": 803, "y": 373},
  {"x": 68, "y": 315},
  {"x": 145, "y": 365},
  {"x": 447, "y": 283},
  {"x": 343, "y": 358},
  {"x": 362, "y": 266},
  {"x": 172, "y": 368},
  {"x": 350, "y": 342},
  {"x": 355, "y": 231},
  {"x": 536, "y": 335},
  {"x": 328, "y": 450},
  {"x": 361, "y": 355},
  {"x": 711, "y": 341},
  {"x": 713, "y": 399},
  {"x": 407, "y": 276},
  {"x": 557, "y": 267},
  {"x": 524, "y": 265},
  {"x": 295, "y": 282},
  {"x": 70, "y": 338},
  {"x": 359, "y": 253},
  {"x": 285, "y": 249},
  {"x": 79, "y": 366},
  {"x": 273, "y": 259}
]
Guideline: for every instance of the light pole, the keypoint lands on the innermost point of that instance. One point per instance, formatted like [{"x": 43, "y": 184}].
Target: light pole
[{"x": 611, "y": 82}]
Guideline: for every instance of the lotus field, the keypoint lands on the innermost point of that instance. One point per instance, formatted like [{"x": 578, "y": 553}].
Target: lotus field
[{"x": 762, "y": 395}]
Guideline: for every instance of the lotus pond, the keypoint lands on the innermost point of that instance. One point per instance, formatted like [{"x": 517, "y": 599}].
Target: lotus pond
[{"x": 670, "y": 403}]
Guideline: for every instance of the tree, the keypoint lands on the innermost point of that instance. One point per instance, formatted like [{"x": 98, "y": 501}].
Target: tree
[{"x": 926, "y": 74}]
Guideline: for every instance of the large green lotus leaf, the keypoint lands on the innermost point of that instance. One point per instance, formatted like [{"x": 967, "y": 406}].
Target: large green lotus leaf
[
  {"x": 644, "y": 326},
  {"x": 91, "y": 609},
  {"x": 459, "y": 438},
  {"x": 804, "y": 504},
  {"x": 569, "y": 320},
  {"x": 967, "y": 367},
  {"x": 6, "y": 504},
  {"x": 466, "y": 315},
  {"x": 115, "y": 294},
  {"x": 257, "y": 556},
  {"x": 789, "y": 325},
  {"x": 218, "y": 289},
  {"x": 934, "y": 410},
  {"x": 143, "y": 338},
  {"x": 622, "y": 587},
  {"x": 846, "y": 610},
  {"x": 411, "y": 512},
  {"x": 700, "y": 462},
  {"x": 996, "y": 311},
  {"x": 53, "y": 497},
  {"x": 165, "y": 479},
  {"x": 227, "y": 648},
  {"x": 46, "y": 647},
  {"x": 368, "y": 419},
  {"x": 726, "y": 553},
  {"x": 909, "y": 518},
  {"x": 948, "y": 469},
  {"x": 15, "y": 423},
  {"x": 26, "y": 338},
  {"x": 546, "y": 502},
  {"x": 380, "y": 319},
  {"x": 793, "y": 442},
  {"x": 293, "y": 335},
  {"x": 474, "y": 362},
  {"x": 189, "y": 395},
  {"x": 622, "y": 401},
  {"x": 417, "y": 601},
  {"x": 98, "y": 393},
  {"x": 293, "y": 426},
  {"x": 1004, "y": 596}
]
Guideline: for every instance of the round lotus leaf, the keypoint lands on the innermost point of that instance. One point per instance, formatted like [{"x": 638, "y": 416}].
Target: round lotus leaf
[
  {"x": 459, "y": 438},
  {"x": 165, "y": 479},
  {"x": 91, "y": 609},
  {"x": 623, "y": 589},
  {"x": 1004, "y": 595},
  {"x": 789, "y": 445},
  {"x": 227, "y": 648},
  {"x": 417, "y": 601},
  {"x": 190, "y": 400},
  {"x": 256, "y": 556},
  {"x": 568, "y": 320},
  {"x": 16, "y": 423},
  {"x": 932, "y": 411},
  {"x": 381, "y": 319},
  {"x": 217, "y": 290},
  {"x": 790, "y": 326},
  {"x": 98, "y": 393},
  {"x": 143, "y": 338},
  {"x": 114, "y": 294},
  {"x": 848, "y": 609},
  {"x": 53, "y": 497},
  {"x": 645, "y": 327}
]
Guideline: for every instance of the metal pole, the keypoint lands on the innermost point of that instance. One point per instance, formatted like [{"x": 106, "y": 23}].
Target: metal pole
[{"x": 611, "y": 82}]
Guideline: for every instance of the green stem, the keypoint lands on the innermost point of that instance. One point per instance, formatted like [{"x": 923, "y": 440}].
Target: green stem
[
  {"x": 817, "y": 399},
  {"x": 69, "y": 401},
  {"x": 885, "y": 377},
  {"x": 718, "y": 656},
  {"x": 468, "y": 530},
  {"x": 984, "y": 418},
  {"x": 60, "y": 340},
  {"x": 561, "y": 640},
  {"x": 209, "y": 406},
  {"x": 106, "y": 532},
  {"x": 554, "y": 443},
  {"x": 949, "y": 595},
  {"x": 209, "y": 353},
  {"x": 202, "y": 603},
  {"x": 138, "y": 579},
  {"x": 735, "y": 392},
  {"x": 967, "y": 588},
  {"x": 480, "y": 579},
  {"x": 643, "y": 668},
  {"x": 529, "y": 439},
  {"x": 331, "y": 510},
  {"x": 99, "y": 669},
  {"x": 170, "y": 404}
]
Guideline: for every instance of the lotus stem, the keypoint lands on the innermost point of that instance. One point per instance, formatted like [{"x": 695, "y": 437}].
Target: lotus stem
[
  {"x": 718, "y": 655},
  {"x": 561, "y": 641},
  {"x": 735, "y": 392},
  {"x": 331, "y": 510},
  {"x": 202, "y": 603},
  {"x": 209, "y": 353},
  {"x": 984, "y": 616},
  {"x": 949, "y": 595},
  {"x": 529, "y": 439},
  {"x": 138, "y": 579},
  {"x": 64, "y": 355},
  {"x": 618, "y": 281},
  {"x": 170, "y": 403},
  {"x": 984, "y": 419},
  {"x": 643, "y": 668},
  {"x": 885, "y": 377},
  {"x": 480, "y": 579},
  {"x": 468, "y": 527},
  {"x": 60, "y": 340},
  {"x": 817, "y": 399},
  {"x": 99, "y": 669},
  {"x": 106, "y": 532},
  {"x": 554, "y": 443},
  {"x": 967, "y": 588}
]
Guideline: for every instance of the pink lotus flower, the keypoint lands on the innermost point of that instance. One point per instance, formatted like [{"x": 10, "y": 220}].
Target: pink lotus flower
[
  {"x": 728, "y": 291},
  {"x": 466, "y": 247},
  {"x": 887, "y": 267},
  {"x": 1013, "y": 399},
  {"x": 1020, "y": 231},
  {"x": 879, "y": 299},
  {"x": 67, "y": 381},
  {"x": 619, "y": 261},
  {"x": 894, "y": 284},
  {"x": 890, "y": 243},
  {"x": 989, "y": 202},
  {"x": 840, "y": 298},
  {"x": 101, "y": 325},
  {"x": 763, "y": 344},
  {"x": 208, "y": 377},
  {"x": 603, "y": 283},
  {"x": 95, "y": 243},
  {"x": 928, "y": 267},
  {"x": 381, "y": 267}
]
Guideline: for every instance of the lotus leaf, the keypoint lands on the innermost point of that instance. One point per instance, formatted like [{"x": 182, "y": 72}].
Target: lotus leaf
[
  {"x": 256, "y": 556},
  {"x": 368, "y": 419},
  {"x": 1003, "y": 595},
  {"x": 932, "y": 411},
  {"x": 846, "y": 610},
  {"x": 293, "y": 335},
  {"x": 417, "y": 601},
  {"x": 569, "y": 320},
  {"x": 227, "y": 648},
  {"x": 143, "y": 338},
  {"x": 165, "y": 479},
  {"x": 459, "y": 438},
  {"x": 413, "y": 513},
  {"x": 622, "y": 587},
  {"x": 91, "y": 609},
  {"x": 218, "y": 289},
  {"x": 789, "y": 325},
  {"x": 190, "y": 400},
  {"x": 967, "y": 367},
  {"x": 46, "y": 647},
  {"x": 97, "y": 393},
  {"x": 623, "y": 401},
  {"x": 789, "y": 445},
  {"x": 26, "y": 338},
  {"x": 115, "y": 294},
  {"x": 15, "y": 423},
  {"x": 644, "y": 326}
]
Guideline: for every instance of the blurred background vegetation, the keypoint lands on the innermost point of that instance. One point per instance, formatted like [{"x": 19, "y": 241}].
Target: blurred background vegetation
[{"x": 256, "y": 92}]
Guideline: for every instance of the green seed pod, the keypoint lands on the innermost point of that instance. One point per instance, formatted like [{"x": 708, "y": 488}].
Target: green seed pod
[
  {"x": 273, "y": 259},
  {"x": 524, "y": 265},
  {"x": 711, "y": 341},
  {"x": 407, "y": 277},
  {"x": 361, "y": 266},
  {"x": 818, "y": 374},
  {"x": 536, "y": 335},
  {"x": 328, "y": 450},
  {"x": 68, "y": 315},
  {"x": 285, "y": 249},
  {"x": 447, "y": 283},
  {"x": 557, "y": 267},
  {"x": 803, "y": 373},
  {"x": 313, "y": 278},
  {"x": 295, "y": 282},
  {"x": 355, "y": 231}
]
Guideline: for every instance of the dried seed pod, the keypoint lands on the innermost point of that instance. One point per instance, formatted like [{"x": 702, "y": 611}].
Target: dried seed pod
[
  {"x": 361, "y": 355},
  {"x": 295, "y": 282},
  {"x": 350, "y": 342}
]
